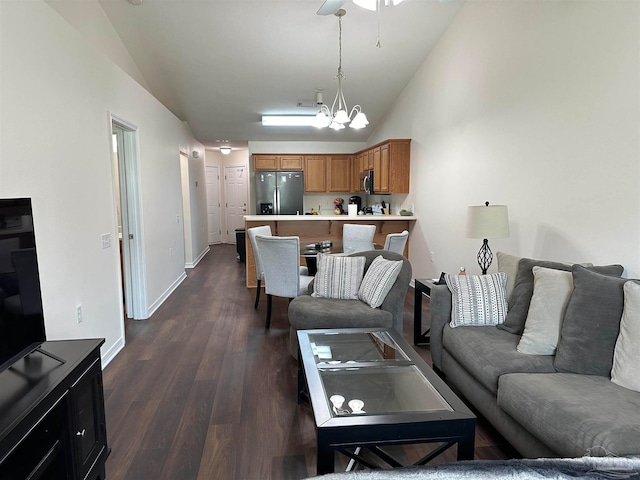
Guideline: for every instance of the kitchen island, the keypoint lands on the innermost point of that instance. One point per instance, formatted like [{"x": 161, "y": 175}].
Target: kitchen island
[{"x": 315, "y": 228}]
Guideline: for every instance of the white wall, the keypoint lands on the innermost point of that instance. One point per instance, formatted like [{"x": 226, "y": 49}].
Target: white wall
[
  {"x": 57, "y": 94},
  {"x": 534, "y": 105},
  {"x": 195, "y": 190}
]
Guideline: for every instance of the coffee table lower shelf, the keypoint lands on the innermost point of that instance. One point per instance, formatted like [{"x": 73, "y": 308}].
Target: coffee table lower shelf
[{"x": 347, "y": 432}]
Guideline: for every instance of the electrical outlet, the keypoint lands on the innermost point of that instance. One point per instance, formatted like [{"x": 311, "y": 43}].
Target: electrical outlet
[
  {"x": 177, "y": 218},
  {"x": 106, "y": 240},
  {"x": 170, "y": 252},
  {"x": 433, "y": 257},
  {"x": 79, "y": 313}
]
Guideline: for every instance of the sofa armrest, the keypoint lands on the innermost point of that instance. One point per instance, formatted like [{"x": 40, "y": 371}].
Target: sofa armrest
[{"x": 440, "y": 315}]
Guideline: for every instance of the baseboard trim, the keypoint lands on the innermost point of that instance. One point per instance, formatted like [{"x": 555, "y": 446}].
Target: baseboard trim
[
  {"x": 153, "y": 307},
  {"x": 112, "y": 352},
  {"x": 197, "y": 260}
]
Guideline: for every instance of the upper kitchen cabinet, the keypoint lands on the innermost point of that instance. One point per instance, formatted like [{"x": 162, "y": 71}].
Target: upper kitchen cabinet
[
  {"x": 277, "y": 162},
  {"x": 315, "y": 173},
  {"x": 339, "y": 173},
  {"x": 390, "y": 162},
  {"x": 328, "y": 173}
]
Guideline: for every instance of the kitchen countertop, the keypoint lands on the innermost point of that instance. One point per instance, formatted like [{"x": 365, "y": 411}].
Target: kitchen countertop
[{"x": 350, "y": 218}]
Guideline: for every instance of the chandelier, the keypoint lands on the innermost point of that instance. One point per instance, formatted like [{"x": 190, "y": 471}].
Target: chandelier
[{"x": 336, "y": 117}]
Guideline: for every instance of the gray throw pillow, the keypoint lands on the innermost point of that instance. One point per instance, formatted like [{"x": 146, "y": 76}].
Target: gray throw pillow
[
  {"x": 522, "y": 291},
  {"x": 591, "y": 323}
]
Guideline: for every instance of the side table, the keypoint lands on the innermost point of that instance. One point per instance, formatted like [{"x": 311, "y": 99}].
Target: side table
[{"x": 422, "y": 285}]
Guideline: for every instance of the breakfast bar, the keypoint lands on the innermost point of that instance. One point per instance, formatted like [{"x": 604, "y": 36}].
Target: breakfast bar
[{"x": 316, "y": 228}]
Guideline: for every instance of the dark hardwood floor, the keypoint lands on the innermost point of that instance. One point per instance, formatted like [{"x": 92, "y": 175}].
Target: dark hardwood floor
[{"x": 203, "y": 391}]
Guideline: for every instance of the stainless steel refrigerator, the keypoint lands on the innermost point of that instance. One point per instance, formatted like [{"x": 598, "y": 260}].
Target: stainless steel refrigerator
[{"x": 279, "y": 193}]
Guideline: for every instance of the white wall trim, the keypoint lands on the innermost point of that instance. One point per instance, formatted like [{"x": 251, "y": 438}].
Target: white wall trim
[
  {"x": 155, "y": 305},
  {"x": 197, "y": 260},
  {"x": 112, "y": 352}
]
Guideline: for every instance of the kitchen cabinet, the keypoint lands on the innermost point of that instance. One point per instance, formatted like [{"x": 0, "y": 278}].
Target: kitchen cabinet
[
  {"x": 390, "y": 162},
  {"x": 355, "y": 172},
  {"x": 315, "y": 173},
  {"x": 277, "y": 162},
  {"x": 52, "y": 419},
  {"x": 339, "y": 173}
]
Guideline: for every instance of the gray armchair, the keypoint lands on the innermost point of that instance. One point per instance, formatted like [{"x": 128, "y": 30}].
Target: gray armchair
[{"x": 307, "y": 312}]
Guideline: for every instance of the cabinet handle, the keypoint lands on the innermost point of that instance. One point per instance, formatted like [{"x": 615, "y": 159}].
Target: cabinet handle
[{"x": 82, "y": 433}]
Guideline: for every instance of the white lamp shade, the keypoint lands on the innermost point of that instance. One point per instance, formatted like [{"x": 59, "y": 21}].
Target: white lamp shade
[
  {"x": 341, "y": 117},
  {"x": 368, "y": 4},
  {"x": 487, "y": 221}
]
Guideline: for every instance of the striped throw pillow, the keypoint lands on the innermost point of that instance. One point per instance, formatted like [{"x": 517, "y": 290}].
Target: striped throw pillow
[
  {"x": 478, "y": 299},
  {"x": 338, "y": 277},
  {"x": 378, "y": 280}
]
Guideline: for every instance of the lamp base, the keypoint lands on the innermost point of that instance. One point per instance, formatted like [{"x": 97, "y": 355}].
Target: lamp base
[{"x": 485, "y": 256}]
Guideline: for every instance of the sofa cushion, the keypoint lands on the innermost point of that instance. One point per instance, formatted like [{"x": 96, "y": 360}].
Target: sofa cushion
[
  {"x": 307, "y": 312},
  {"x": 508, "y": 264},
  {"x": 338, "y": 277},
  {"x": 626, "y": 361},
  {"x": 377, "y": 282},
  {"x": 551, "y": 292},
  {"x": 477, "y": 299},
  {"x": 573, "y": 413},
  {"x": 591, "y": 323},
  {"x": 487, "y": 352}
]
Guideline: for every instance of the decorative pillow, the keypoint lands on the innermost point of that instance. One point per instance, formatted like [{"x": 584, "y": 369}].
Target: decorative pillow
[
  {"x": 377, "y": 282},
  {"x": 509, "y": 265},
  {"x": 477, "y": 299},
  {"x": 338, "y": 277},
  {"x": 551, "y": 292},
  {"x": 591, "y": 323},
  {"x": 523, "y": 290},
  {"x": 626, "y": 361}
]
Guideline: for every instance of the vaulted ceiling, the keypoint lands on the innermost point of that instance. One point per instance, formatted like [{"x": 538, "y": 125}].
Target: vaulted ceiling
[{"x": 220, "y": 65}]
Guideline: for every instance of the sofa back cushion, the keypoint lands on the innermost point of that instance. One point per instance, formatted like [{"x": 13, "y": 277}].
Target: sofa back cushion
[
  {"x": 626, "y": 361},
  {"x": 591, "y": 322},
  {"x": 508, "y": 264}
]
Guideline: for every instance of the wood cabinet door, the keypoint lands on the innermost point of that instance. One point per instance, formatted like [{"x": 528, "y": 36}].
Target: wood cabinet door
[
  {"x": 339, "y": 173},
  {"x": 369, "y": 160},
  {"x": 355, "y": 173},
  {"x": 377, "y": 170},
  {"x": 290, "y": 162},
  {"x": 384, "y": 169},
  {"x": 265, "y": 162},
  {"x": 315, "y": 173}
]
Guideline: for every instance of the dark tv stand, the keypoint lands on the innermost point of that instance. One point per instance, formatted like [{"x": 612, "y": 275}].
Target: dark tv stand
[{"x": 52, "y": 422}]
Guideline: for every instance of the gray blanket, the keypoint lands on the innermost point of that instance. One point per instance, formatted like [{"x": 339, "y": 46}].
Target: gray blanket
[{"x": 519, "y": 469}]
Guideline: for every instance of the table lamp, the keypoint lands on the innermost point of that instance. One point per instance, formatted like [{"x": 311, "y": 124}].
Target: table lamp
[{"x": 487, "y": 221}]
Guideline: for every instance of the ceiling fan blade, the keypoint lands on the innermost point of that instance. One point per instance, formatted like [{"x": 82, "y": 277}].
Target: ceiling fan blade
[{"x": 330, "y": 7}]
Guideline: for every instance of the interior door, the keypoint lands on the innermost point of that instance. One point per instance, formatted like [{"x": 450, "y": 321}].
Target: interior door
[
  {"x": 235, "y": 180},
  {"x": 213, "y": 204}
]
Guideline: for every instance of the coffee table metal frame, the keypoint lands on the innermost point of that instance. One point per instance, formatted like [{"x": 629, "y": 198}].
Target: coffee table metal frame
[{"x": 346, "y": 433}]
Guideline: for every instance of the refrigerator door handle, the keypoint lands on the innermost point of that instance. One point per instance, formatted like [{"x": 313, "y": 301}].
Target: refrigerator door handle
[{"x": 276, "y": 200}]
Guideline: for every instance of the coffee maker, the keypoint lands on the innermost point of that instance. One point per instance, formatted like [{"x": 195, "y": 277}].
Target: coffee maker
[{"x": 356, "y": 200}]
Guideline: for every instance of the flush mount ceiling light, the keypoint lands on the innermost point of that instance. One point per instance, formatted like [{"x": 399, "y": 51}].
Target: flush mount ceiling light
[
  {"x": 337, "y": 116},
  {"x": 225, "y": 150},
  {"x": 373, "y": 4},
  {"x": 288, "y": 120}
]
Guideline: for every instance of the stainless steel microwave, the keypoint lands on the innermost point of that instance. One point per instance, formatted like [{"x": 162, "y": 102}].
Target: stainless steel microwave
[{"x": 366, "y": 181}]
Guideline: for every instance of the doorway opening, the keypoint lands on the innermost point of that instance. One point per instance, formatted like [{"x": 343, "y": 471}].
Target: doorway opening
[{"x": 128, "y": 213}]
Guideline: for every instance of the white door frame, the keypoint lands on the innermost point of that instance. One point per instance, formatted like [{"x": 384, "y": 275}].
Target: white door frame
[
  {"x": 132, "y": 229},
  {"x": 217, "y": 200}
]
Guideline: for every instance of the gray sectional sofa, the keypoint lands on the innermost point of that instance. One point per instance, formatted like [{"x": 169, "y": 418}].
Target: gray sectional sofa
[{"x": 544, "y": 405}]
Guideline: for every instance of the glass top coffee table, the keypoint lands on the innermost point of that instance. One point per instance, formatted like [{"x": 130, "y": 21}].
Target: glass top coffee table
[{"x": 369, "y": 388}]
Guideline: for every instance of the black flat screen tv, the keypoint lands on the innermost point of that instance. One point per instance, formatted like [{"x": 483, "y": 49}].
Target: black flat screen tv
[{"x": 21, "y": 318}]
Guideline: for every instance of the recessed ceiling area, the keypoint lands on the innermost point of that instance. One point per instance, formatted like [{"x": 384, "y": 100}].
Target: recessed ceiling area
[{"x": 219, "y": 65}]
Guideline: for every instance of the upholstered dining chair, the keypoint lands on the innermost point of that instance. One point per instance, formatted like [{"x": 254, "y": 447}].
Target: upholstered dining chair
[
  {"x": 280, "y": 258},
  {"x": 396, "y": 242},
  {"x": 357, "y": 238},
  {"x": 252, "y": 232}
]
